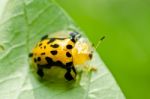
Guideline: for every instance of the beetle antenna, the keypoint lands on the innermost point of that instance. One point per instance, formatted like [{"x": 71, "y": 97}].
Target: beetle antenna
[{"x": 99, "y": 42}]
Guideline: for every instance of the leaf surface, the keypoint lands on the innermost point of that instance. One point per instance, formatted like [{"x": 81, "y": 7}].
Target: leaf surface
[{"x": 22, "y": 24}]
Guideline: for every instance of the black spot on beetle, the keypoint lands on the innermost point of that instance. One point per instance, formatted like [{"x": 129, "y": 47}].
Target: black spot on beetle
[
  {"x": 30, "y": 54},
  {"x": 60, "y": 38},
  {"x": 52, "y": 63},
  {"x": 44, "y": 47},
  {"x": 59, "y": 63},
  {"x": 43, "y": 53},
  {"x": 68, "y": 54},
  {"x": 55, "y": 46},
  {"x": 39, "y": 59},
  {"x": 69, "y": 46},
  {"x": 51, "y": 40},
  {"x": 49, "y": 61},
  {"x": 54, "y": 52},
  {"x": 40, "y": 44}
]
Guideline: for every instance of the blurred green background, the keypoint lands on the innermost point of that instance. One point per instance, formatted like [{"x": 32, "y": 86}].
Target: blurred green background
[{"x": 126, "y": 50}]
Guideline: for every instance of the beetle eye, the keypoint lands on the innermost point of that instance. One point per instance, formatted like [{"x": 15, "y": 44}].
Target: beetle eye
[{"x": 75, "y": 35}]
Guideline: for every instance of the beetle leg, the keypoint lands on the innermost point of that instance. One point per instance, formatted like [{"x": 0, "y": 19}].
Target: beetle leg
[
  {"x": 68, "y": 75},
  {"x": 74, "y": 70},
  {"x": 30, "y": 54},
  {"x": 40, "y": 71}
]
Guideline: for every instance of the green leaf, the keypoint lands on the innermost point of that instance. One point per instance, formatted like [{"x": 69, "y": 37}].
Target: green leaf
[{"x": 22, "y": 24}]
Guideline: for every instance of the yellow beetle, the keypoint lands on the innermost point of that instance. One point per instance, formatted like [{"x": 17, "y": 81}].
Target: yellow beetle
[{"x": 64, "y": 52}]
